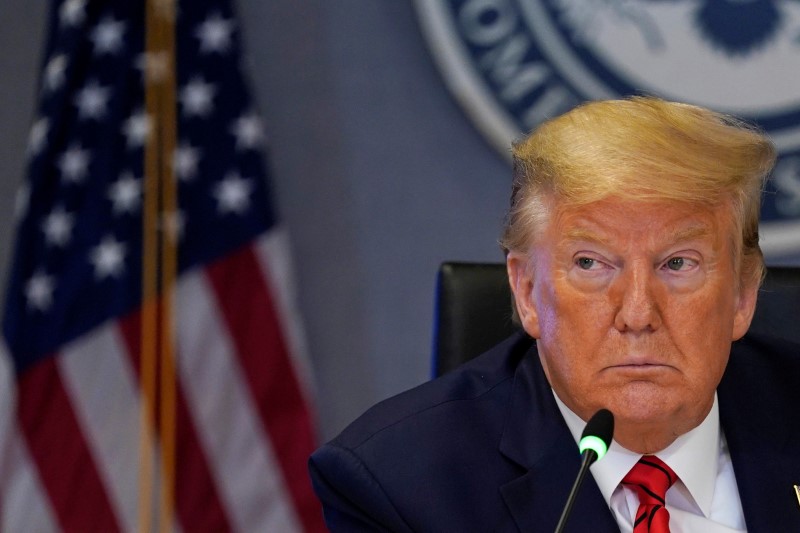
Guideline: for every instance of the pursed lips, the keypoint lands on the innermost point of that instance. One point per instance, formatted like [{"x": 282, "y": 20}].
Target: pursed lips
[
  {"x": 643, "y": 362},
  {"x": 649, "y": 371}
]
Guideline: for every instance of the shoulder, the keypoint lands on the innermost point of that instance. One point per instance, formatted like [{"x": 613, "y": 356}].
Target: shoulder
[
  {"x": 435, "y": 443},
  {"x": 759, "y": 386},
  {"x": 481, "y": 385},
  {"x": 759, "y": 357}
]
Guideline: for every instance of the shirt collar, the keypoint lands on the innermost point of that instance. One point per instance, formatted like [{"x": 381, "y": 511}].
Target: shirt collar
[{"x": 693, "y": 457}]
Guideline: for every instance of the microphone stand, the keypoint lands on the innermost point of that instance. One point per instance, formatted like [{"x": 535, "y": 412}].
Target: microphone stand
[
  {"x": 594, "y": 443},
  {"x": 589, "y": 457}
]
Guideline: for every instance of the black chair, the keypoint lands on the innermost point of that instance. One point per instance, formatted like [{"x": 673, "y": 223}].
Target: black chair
[{"x": 473, "y": 310}]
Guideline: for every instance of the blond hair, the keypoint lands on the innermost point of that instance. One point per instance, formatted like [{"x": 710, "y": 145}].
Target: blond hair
[{"x": 642, "y": 148}]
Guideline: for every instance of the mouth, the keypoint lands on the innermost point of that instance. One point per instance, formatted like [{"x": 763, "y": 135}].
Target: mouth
[
  {"x": 645, "y": 359},
  {"x": 640, "y": 368}
]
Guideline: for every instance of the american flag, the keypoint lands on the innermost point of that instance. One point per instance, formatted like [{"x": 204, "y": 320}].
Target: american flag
[{"x": 70, "y": 377}]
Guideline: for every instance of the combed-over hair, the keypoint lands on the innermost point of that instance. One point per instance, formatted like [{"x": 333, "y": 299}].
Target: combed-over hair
[{"x": 642, "y": 148}]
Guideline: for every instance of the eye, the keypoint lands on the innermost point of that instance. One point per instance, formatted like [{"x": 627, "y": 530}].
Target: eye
[
  {"x": 591, "y": 263},
  {"x": 680, "y": 264},
  {"x": 676, "y": 263}
]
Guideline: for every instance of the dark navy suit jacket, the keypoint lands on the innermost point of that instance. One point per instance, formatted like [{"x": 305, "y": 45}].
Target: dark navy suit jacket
[{"x": 485, "y": 449}]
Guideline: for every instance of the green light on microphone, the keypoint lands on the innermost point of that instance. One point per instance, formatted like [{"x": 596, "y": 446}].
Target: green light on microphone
[{"x": 590, "y": 442}]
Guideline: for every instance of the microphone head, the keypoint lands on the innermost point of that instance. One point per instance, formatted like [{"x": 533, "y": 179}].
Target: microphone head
[{"x": 598, "y": 433}]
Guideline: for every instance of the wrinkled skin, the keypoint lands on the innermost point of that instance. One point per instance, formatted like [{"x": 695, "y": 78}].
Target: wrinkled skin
[{"x": 634, "y": 305}]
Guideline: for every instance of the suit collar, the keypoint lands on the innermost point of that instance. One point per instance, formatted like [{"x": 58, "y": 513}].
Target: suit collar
[{"x": 538, "y": 440}]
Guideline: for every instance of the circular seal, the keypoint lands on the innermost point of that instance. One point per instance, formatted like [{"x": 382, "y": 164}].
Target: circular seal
[{"x": 514, "y": 63}]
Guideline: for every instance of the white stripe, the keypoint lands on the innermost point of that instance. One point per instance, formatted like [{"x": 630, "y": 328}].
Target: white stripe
[
  {"x": 23, "y": 503},
  {"x": 24, "y": 506},
  {"x": 98, "y": 377},
  {"x": 8, "y": 401},
  {"x": 101, "y": 382},
  {"x": 274, "y": 255},
  {"x": 240, "y": 456}
]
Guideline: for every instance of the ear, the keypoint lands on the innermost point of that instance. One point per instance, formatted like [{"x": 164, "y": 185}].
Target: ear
[
  {"x": 521, "y": 279},
  {"x": 745, "y": 307}
]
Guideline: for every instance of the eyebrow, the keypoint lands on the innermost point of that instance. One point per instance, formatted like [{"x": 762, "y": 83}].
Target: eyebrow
[
  {"x": 584, "y": 234},
  {"x": 692, "y": 232}
]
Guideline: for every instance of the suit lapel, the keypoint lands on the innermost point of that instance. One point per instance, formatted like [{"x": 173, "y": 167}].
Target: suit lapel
[
  {"x": 537, "y": 438},
  {"x": 761, "y": 429}
]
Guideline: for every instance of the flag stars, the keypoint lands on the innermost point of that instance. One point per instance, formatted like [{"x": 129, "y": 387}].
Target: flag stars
[
  {"x": 57, "y": 227},
  {"x": 215, "y": 34},
  {"x": 74, "y": 164},
  {"x": 197, "y": 98},
  {"x": 136, "y": 129},
  {"x": 72, "y": 13},
  {"x": 233, "y": 194},
  {"x": 39, "y": 291},
  {"x": 107, "y": 36},
  {"x": 125, "y": 194},
  {"x": 108, "y": 258},
  {"x": 248, "y": 132},
  {"x": 55, "y": 73},
  {"x": 38, "y": 136},
  {"x": 92, "y": 101},
  {"x": 185, "y": 162}
]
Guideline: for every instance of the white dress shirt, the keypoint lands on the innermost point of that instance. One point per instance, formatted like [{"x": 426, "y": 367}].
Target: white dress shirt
[{"x": 705, "y": 498}]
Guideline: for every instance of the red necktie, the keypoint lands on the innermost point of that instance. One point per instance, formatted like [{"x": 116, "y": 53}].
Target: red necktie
[{"x": 651, "y": 478}]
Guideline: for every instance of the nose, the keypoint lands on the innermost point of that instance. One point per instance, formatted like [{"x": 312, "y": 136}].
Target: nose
[{"x": 637, "y": 305}]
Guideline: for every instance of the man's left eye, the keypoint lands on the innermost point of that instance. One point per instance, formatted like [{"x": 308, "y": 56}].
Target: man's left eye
[{"x": 676, "y": 263}]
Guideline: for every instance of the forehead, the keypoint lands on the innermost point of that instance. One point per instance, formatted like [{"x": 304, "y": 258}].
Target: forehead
[{"x": 641, "y": 223}]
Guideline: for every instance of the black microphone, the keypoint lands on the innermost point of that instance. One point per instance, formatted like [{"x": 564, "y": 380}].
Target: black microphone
[{"x": 594, "y": 443}]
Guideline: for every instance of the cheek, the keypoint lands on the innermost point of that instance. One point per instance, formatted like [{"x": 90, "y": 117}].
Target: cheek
[
  {"x": 572, "y": 329},
  {"x": 570, "y": 316},
  {"x": 702, "y": 324},
  {"x": 701, "y": 330}
]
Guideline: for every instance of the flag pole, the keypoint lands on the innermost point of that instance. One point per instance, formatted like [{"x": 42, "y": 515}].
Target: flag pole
[{"x": 159, "y": 268}]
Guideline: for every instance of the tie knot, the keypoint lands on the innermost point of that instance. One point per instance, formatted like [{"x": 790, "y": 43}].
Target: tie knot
[{"x": 651, "y": 478}]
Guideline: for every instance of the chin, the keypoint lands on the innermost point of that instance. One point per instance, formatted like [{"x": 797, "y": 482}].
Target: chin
[{"x": 646, "y": 404}]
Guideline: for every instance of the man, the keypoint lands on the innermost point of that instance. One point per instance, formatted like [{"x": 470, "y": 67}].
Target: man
[{"x": 632, "y": 253}]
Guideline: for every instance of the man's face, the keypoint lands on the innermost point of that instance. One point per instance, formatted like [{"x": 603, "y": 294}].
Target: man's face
[{"x": 635, "y": 306}]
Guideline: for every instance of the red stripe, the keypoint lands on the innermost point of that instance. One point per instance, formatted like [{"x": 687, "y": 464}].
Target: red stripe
[
  {"x": 61, "y": 453},
  {"x": 199, "y": 507},
  {"x": 250, "y": 314}
]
